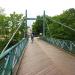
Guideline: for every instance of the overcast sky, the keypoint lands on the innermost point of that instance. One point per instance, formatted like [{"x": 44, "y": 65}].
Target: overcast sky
[{"x": 36, "y": 7}]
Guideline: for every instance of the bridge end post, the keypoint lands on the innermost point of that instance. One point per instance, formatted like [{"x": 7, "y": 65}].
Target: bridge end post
[
  {"x": 44, "y": 24},
  {"x": 25, "y": 35}
]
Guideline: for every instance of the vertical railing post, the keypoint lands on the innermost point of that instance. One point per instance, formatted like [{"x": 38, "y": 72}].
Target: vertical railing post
[{"x": 44, "y": 24}]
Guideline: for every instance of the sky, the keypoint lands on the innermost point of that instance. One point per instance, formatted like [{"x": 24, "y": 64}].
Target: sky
[{"x": 36, "y": 7}]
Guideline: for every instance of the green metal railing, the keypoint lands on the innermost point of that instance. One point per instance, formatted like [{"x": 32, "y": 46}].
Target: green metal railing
[
  {"x": 65, "y": 44},
  {"x": 11, "y": 56}
]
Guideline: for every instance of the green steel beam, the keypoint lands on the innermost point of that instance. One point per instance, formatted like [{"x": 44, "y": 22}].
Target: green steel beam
[
  {"x": 26, "y": 23},
  {"x": 44, "y": 24},
  {"x": 31, "y": 18},
  {"x": 8, "y": 50},
  {"x": 9, "y": 55}
]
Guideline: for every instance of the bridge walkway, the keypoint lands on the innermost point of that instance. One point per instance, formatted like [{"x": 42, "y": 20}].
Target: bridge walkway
[{"x": 41, "y": 58}]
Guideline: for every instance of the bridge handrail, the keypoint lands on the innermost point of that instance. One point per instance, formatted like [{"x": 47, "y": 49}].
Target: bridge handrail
[
  {"x": 2, "y": 55},
  {"x": 10, "y": 57},
  {"x": 67, "y": 45}
]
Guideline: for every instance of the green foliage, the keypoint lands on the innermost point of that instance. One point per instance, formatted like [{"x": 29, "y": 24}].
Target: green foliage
[
  {"x": 2, "y": 44},
  {"x": 8, "y": 25},
  {"x": 14, "y": 21},
  {"x": 56, "y": 30},
  {"x": 37, "y": 26}
]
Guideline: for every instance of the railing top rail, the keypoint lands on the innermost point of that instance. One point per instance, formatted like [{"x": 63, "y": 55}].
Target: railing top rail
[
  {"x": 33, "y": 19},
  {"x": 2, "y": 55}
]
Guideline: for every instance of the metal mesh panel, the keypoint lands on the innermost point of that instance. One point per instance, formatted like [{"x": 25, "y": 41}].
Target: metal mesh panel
[
  {"x": 8, "y": 62},
  {"x": 67, "y": 45},
  {"x": 2, "y": 62}
]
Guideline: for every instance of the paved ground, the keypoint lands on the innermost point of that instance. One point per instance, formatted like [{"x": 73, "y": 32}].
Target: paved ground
[{"x": 40, "y": 58}]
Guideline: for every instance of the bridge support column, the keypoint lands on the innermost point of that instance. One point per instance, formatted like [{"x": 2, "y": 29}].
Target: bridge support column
[
  {"x": 44, "y": 24},
  {"x": 26, "y": 23}
]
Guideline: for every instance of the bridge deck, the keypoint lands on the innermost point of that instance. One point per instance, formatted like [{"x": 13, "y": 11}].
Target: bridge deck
[{"x": 40, "y": 58}]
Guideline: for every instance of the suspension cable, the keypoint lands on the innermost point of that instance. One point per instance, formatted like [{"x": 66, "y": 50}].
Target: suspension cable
[
  {"x": 63, "y": 25},
  {"x": 12, "y": 37}
]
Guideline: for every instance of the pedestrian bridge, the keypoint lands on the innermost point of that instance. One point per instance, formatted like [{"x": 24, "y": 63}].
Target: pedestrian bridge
[
  {"x": 38, "y": 58},
  {"x": 41, "y": 58},
  {"x": 45, "y": 56}
]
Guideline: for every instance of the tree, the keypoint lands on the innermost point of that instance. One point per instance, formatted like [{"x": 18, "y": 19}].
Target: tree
[
  {"x": 37, "y": 26},
  {"x": 55, "y": 30},
  {"x": 58, "y": 31},
  {"x": 8, "y": 25}
]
